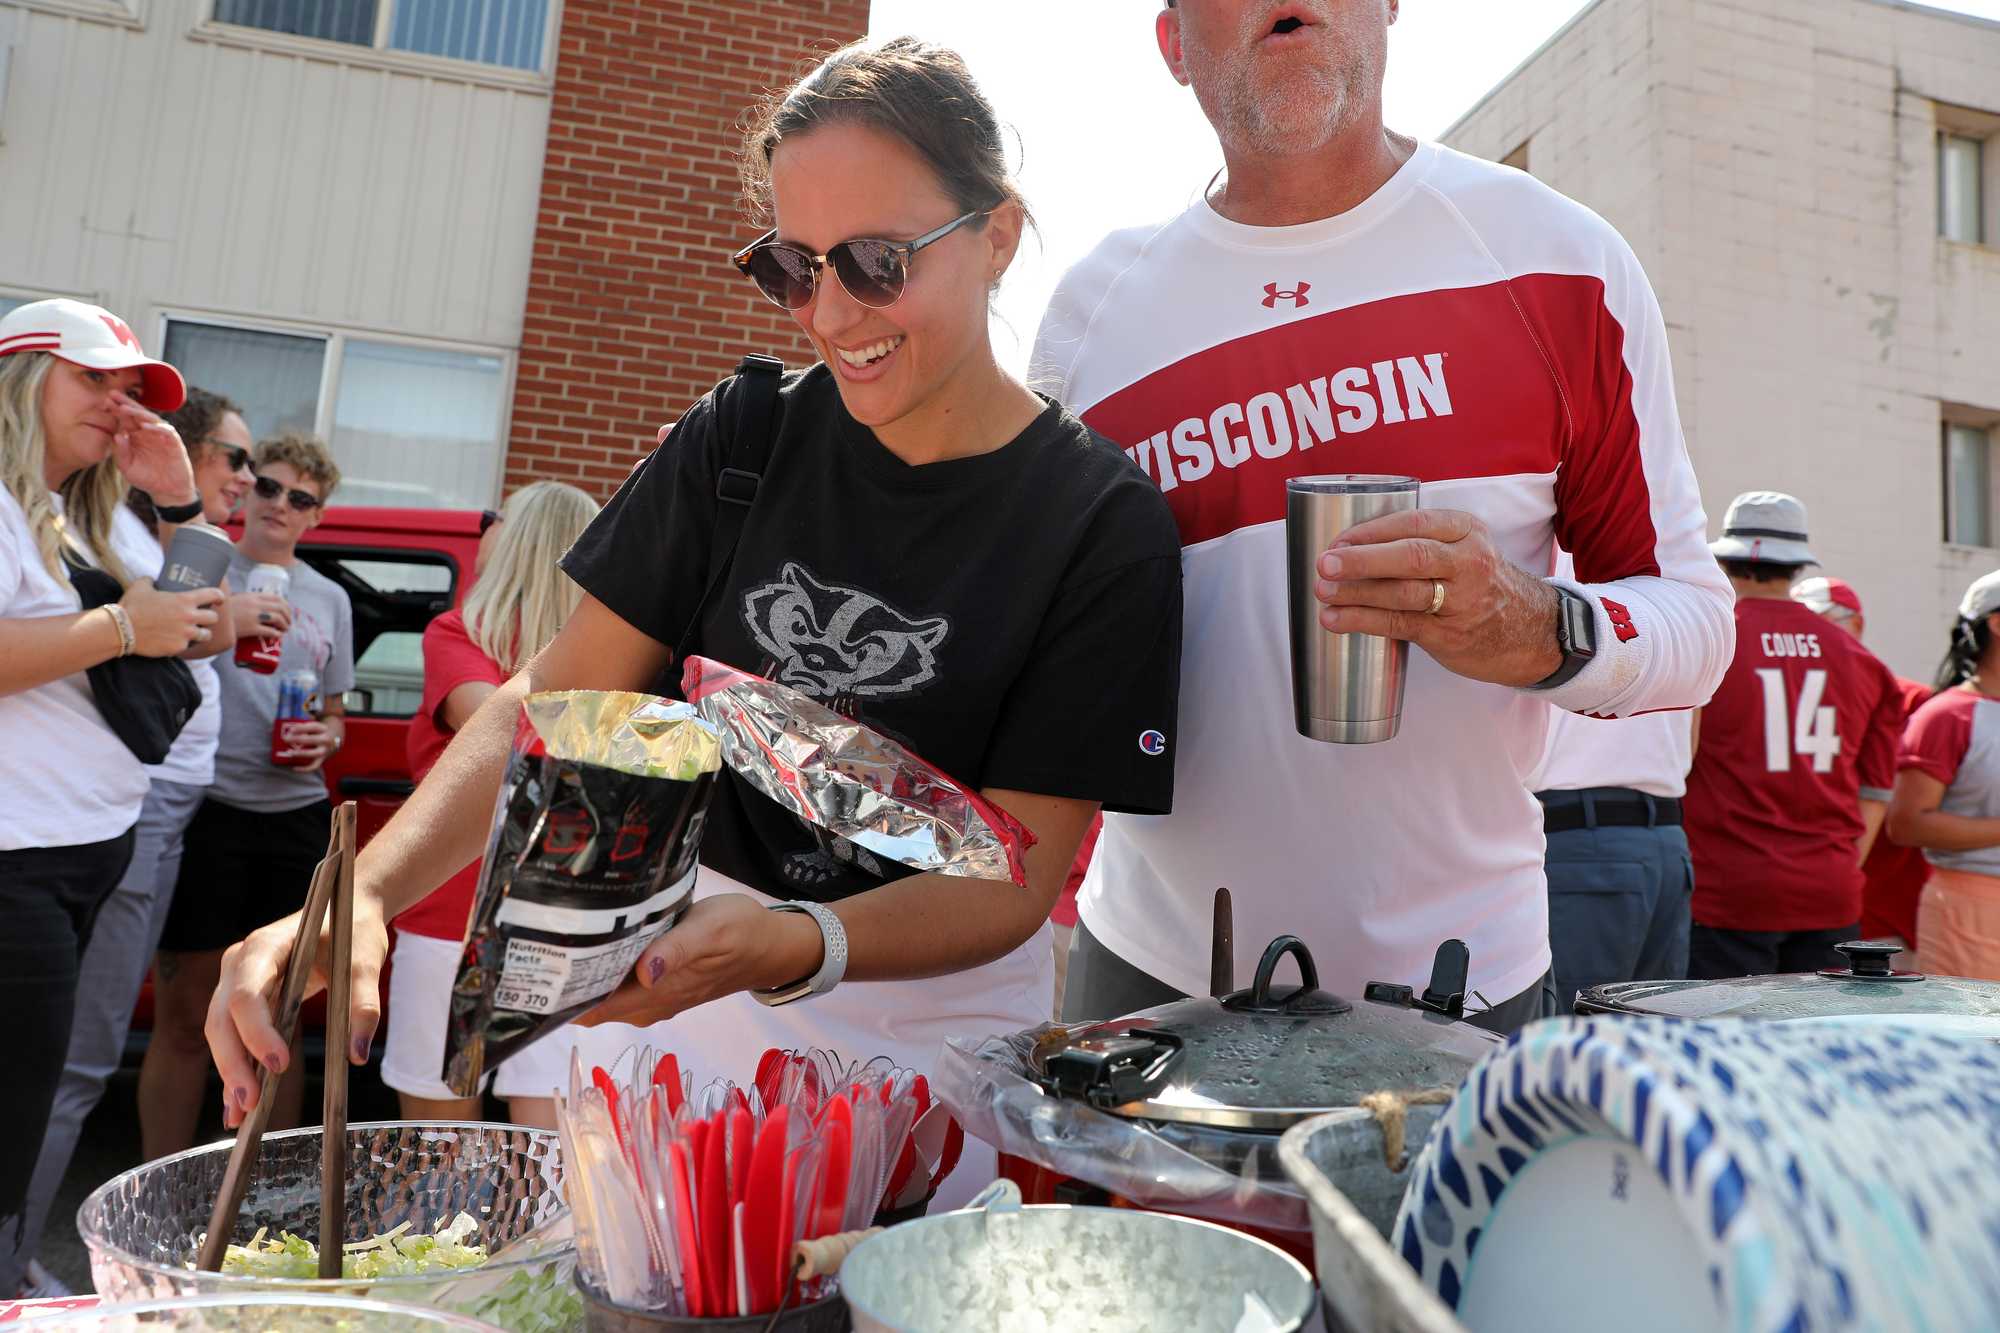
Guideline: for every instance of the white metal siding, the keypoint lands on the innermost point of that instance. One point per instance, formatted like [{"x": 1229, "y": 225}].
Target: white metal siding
[{"x": 158, "y": 169}]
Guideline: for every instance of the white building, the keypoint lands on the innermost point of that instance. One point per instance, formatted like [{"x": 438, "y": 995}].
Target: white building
[
  {"x": 1814, "y": 187},
  {"x": 334, "y": 199}
]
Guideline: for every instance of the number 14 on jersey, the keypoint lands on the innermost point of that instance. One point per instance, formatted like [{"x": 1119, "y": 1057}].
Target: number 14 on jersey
[{"x": 1809, "y": 732}]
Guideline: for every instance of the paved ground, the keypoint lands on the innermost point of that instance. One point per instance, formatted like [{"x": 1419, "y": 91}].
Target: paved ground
[{"x": 110, "y": 1144}]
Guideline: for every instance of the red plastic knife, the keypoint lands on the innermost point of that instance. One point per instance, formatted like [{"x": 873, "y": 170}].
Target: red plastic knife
[
  {"x": 765, "y": 1215},
  {"x": 836, "y": 1126},
  {"x": 681, "y": 1202}
]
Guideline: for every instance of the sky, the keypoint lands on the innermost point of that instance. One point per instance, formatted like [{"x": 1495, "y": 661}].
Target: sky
[{"x": 1107, "y": 139}]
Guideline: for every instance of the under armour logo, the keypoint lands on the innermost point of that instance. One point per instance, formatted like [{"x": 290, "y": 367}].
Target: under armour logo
[
  {"x": 1297, "y": 295},
  {"x": 119, "y": 331}
]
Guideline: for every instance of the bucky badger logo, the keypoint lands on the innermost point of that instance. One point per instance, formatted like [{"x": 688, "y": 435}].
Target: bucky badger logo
[{"x": 829, "y": 641}]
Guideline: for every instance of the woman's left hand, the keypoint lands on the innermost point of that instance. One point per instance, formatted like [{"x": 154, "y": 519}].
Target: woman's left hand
[
  {"x": 723, "y": 945},
  {"x": 150, "y": 454}
]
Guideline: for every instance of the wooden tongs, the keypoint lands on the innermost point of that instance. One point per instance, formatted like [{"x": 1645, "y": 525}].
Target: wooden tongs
[{"x": 332, "y": 888}]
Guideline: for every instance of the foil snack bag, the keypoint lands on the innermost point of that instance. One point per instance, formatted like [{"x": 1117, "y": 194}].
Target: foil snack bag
[
  {"x": 851, "y": 780},
  {"x": 591, "y": 858}
]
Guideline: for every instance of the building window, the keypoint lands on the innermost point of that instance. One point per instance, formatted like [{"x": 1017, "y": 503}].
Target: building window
[
  {"x": 412, "y": 425},
  {"x": 1968, "y": 484},
  {"x": 274, "y": 376},
  {"x": 512, "y": 33},
  {"x": 1961, "y": 187}
]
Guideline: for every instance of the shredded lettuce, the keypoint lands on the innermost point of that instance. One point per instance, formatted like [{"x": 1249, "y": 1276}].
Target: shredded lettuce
[
  {"x": 545, "y": 1301},
  {"x": 394, "y": 1253}
]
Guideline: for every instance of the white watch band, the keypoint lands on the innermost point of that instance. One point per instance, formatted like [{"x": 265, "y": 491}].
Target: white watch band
[{"x": 833, "y": 965}]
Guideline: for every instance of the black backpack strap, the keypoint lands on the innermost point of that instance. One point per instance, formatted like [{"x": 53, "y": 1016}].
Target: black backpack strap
[{"x": 753, "y": 403}]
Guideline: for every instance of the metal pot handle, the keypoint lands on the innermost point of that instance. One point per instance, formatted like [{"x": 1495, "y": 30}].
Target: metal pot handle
[{"x": 1267, "y": 966}]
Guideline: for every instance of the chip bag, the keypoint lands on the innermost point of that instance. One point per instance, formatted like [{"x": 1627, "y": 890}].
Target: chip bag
[{"x": 591, "y": 858}]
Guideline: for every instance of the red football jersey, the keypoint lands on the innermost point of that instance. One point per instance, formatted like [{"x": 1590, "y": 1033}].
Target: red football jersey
[
  {"x": 1895, "y": 875},
  {"x": 1804, "y": 719}
]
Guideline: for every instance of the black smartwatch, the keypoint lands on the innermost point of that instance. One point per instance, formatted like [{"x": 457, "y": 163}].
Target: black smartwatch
[
  {"x": 180, "y": 513},
  {"x": 1576, "y": 636}
]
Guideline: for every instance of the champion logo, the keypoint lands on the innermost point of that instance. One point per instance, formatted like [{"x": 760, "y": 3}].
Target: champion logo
[
  {"x": 1153, "y": 743},
  {"x": 121, "y": 331},
  {"x": 1273, "y": 294}
]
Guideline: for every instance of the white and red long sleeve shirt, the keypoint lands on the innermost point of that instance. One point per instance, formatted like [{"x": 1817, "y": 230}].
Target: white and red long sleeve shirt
[{"x": 1470, "y": 327}]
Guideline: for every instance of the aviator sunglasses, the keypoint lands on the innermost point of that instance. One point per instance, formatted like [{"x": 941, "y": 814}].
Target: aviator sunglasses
[
  {"x": 873, "y": 272},
  {"x": 270, "y": 488}
]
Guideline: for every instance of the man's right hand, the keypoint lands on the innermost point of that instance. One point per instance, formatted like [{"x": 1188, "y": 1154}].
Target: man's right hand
[{"x": 242, "y": 1026}]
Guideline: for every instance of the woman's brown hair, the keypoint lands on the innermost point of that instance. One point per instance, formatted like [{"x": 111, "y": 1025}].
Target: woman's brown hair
[
  {"x": 194, "y": 420},
  {"x": 912, "y": 90}
]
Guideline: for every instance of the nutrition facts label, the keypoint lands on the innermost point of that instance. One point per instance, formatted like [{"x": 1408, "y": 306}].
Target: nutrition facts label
[
  {"x": 547, "y": 976},
  {"x": 539, "y": 978}
]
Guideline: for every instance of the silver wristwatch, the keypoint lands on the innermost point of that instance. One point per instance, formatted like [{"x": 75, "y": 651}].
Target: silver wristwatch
[{"x": 833, "y": 936}]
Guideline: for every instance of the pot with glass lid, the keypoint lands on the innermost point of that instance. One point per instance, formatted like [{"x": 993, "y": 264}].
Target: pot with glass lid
[
  {"x": 1865, "y": 992},
  {"x": 1179, "y": 1108}
]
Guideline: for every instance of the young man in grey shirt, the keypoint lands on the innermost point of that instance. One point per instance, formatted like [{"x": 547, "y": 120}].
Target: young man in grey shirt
[{"x": 263, "y": 826}]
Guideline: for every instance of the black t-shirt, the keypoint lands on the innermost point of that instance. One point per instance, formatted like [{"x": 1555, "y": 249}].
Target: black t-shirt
[{"x": 1013, "y": 617}]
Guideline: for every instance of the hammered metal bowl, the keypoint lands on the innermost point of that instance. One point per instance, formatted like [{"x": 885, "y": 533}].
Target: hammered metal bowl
[
  {"x": 1051, "y": 1268},
  {"x": 257, "y": 1312},
  {"x": 144, "y": 1228}
]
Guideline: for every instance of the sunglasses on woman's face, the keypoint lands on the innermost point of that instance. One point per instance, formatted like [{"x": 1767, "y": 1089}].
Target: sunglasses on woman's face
[
  {"x": 270, "y": 488},
  {"x": 235, "y": 455},
  {"x": 873, "y": 272},
  {"x": 487, "y": 518}
]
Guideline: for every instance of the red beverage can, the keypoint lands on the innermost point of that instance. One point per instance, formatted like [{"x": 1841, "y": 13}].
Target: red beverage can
[
  {"x": 295, "y": 691},
  {"x": 258, "y": 652}
]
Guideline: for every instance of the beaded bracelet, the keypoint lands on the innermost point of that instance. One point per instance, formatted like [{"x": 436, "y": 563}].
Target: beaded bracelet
[{"x": 127, "y": 640}]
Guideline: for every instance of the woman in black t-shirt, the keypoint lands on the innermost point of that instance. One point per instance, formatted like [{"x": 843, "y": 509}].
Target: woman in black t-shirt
[{"x": 933, "y": 550}]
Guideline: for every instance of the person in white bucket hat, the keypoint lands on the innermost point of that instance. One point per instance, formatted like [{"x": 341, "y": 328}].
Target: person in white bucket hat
[
  {"x": 78, "y": 398},
  {"x": 1947, "y": 798},
  {"x": 1794, "y": 757},
  {"x": 1766, "y": 528}
]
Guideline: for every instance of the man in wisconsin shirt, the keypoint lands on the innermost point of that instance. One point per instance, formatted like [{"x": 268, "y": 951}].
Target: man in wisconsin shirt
[{"x": 1348, "y": 300}]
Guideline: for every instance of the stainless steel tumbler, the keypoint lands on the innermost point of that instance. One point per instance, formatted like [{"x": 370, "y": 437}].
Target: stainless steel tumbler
[{"x": 1346, "y": 688}]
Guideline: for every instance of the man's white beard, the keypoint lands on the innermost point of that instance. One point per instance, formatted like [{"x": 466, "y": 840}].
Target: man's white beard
[{"x": 1281, "y": 120}]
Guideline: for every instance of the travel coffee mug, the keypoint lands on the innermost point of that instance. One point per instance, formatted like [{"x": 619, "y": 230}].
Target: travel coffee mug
[
  {"x": 1346, "y": 688},
  {"x": 197, "y": 557}
]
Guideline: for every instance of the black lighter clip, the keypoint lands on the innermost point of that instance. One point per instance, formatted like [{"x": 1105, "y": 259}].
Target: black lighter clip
[
  {"x": 1114, "y": 1069},
  {"x": 1450, "y": 970}
]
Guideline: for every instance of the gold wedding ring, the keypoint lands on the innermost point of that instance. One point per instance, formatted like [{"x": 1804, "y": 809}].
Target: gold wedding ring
[{"x": 1437, "y": 597}]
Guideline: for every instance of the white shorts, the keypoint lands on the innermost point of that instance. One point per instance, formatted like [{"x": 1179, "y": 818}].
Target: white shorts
[{"x": 422, "y": 970}]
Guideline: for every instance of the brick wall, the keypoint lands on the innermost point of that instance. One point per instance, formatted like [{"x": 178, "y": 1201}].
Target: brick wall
[{"x": 633, "y": 308}]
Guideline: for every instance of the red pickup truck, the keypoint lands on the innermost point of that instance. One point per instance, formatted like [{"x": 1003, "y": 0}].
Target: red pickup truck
[{"x": 401, "y": 568}]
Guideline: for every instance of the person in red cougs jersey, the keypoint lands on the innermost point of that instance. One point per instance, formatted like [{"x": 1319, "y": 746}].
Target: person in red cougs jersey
[
  {"x": 1893, "y": 875},
  {"x": 518, "y": 604},
  {"x": 1349, "y": 299},
  {"x": 1947, "y": 797},
  {"x": 1793, "y": 761}
]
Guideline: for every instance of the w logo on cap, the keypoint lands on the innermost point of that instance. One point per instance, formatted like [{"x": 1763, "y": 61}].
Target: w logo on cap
[{"x": 122, "y": 331}]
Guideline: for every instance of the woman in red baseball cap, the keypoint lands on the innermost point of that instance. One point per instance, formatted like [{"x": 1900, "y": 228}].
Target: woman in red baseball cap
[{"x": 77, "y": 427}]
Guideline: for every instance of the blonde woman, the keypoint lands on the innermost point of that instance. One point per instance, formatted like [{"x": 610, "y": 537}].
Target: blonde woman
[
  {"x": 518, "y": 604},
  {"x": 73, "y": 434}
]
